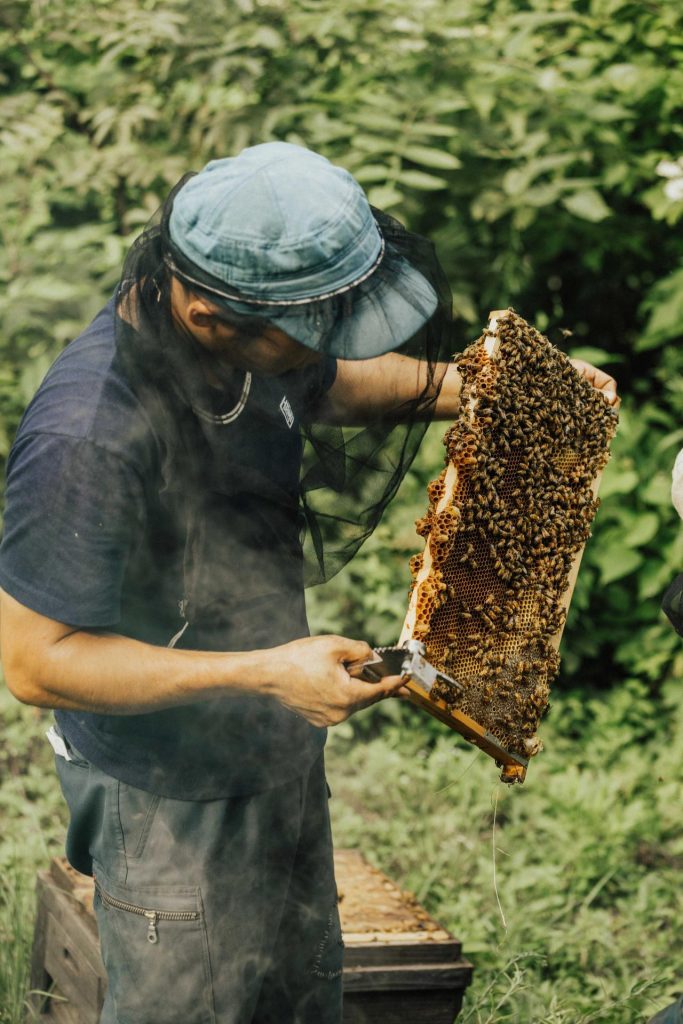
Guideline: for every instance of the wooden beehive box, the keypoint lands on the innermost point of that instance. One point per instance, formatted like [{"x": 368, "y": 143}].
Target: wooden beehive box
[{"x": 399, "y": 966}]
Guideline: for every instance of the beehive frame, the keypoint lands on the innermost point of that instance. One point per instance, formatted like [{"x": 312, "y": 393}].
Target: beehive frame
[{"x": 493, "y": 585}]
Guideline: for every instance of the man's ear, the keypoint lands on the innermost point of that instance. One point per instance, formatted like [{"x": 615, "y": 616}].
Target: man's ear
[{"x": 199, "y": 313}]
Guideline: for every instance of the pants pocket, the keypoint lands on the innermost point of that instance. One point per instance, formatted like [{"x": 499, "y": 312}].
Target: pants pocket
[
  {"x": 137, "y": 810},
  {"x": 93, "y": 832},
  {"x": 75, "y": 757},
  {"x": 155, "y": 949},
  {"x": 328, "y": 961}
]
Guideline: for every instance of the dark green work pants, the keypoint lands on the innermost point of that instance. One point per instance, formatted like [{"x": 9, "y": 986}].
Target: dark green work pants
[{"x": 212, "y": 912}]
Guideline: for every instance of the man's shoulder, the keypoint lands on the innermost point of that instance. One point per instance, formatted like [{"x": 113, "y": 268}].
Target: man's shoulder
[{"x": 85, "y": 394}]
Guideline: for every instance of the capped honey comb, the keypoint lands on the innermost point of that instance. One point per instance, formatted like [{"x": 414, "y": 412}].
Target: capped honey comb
[{"x": 505, "y": 529}]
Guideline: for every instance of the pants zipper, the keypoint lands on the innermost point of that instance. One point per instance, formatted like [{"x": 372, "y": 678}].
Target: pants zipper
[{"x": 152, "y": 916}]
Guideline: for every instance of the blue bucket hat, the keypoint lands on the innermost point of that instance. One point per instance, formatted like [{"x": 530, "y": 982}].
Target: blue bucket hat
[{"x": 279, "y": 232}]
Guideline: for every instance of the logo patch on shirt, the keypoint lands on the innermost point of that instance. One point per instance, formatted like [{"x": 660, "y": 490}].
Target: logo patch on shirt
[{"x": 286, "y": 410}]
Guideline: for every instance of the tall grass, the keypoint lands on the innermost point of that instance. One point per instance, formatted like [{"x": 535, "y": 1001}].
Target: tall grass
[
  {"x": 15, "y": 943},
  {"x": 589, "y": 853},
  {"x": 32, "y": 829}
]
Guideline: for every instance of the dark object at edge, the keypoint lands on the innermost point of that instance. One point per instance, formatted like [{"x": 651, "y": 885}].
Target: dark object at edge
[
  {"x": 672, "y": 606},
  {"x": 671, "y": 1014}
]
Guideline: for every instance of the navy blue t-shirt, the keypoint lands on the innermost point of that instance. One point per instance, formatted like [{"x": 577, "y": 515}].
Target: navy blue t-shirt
[{"x": 91, "y": 541}]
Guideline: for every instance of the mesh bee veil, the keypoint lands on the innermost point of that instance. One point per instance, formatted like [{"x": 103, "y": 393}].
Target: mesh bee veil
[{"x": 348, "y": 474}]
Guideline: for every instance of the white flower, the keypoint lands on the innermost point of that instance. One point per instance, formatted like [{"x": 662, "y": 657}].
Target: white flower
[
  {"x": 673, "y": 189},
  {"x": 677, "y": 484},
  {"x": 669, "y": 169}
]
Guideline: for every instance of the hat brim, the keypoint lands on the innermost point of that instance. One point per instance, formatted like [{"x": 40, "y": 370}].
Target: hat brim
[{"x": 385, "y": 313}]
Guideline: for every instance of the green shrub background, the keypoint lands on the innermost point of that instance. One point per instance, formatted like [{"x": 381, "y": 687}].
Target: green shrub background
[
  {"x": 528, "y": 139},
  {"x": 540, "y": 144}
]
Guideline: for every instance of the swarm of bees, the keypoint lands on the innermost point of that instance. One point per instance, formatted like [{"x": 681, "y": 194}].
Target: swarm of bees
[{"x": 507, "y": 521}]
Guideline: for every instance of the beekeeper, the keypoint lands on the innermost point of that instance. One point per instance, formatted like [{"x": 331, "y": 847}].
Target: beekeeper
[{"x": 228, "y": 428}]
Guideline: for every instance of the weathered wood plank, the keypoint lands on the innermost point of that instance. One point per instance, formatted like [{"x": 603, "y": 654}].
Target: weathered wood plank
[
  {"x": 70, "y": 967},
  {"x": 60, "y": 1012},
  {"x": 406, "y": 951},
  {"x": 39, "y": 979},
  {"x": 82, "y": 926},
  {"x": 409, "y": 1008},
  {"x": 422, "y": 977}
]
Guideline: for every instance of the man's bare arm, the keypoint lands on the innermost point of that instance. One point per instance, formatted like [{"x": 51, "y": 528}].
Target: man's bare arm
[
  {"x": 367, "y": 388},
  {"x": 50, "y": 664}
]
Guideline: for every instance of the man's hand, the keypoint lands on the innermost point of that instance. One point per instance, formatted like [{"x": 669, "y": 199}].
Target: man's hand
[
  {"x": 314, "y": 683},
  {"x": 600, "y": 380}
]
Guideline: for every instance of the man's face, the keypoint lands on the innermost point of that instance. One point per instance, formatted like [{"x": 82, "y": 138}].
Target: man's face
[{"x": 268, "y": 353}]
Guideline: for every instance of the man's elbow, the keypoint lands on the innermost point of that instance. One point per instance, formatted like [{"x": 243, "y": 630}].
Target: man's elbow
[
  {"x": 28, "y": 641},
  {"x": 24, "y": 687}
]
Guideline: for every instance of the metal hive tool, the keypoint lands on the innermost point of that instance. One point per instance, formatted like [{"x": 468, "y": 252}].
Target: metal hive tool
[{"x": 507, "y": 522}]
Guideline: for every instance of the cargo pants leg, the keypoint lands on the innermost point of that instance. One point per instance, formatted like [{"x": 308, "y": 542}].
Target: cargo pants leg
[{"x": 210, "y": 912}]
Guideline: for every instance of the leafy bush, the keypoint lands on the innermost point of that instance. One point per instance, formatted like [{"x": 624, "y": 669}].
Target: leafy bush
[{"x": 539, "y": 145}]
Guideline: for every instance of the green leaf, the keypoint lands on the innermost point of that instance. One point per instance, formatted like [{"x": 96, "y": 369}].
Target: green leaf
[
  {"x": 518, "y": 179},
  {"x": 384, "y": 197},
  {"x": 670, "y": 440},
  {"x": 449, "y": 105},
  {"x": 665, "y": 303},
  {"x": 442, "y": 131},
  {"x": 653, "y": 579},
  {"x": 438, "y": 159},
  {"x": 616, "y": 481},
  {"x": 372, "y": 143},
  {"x": 642, "y": 532},
  {"x": 544, "y": 194},
  {"x": 421, "y": 181},
  {"x": 616, "y": 562},
  {"x": 658, "y": 490},
  {"x": 610, "y": 112},
  {"x": 376, "y": 121},
  {"x": 369, "y": 174},
  {"x": 588, "y": 205}
]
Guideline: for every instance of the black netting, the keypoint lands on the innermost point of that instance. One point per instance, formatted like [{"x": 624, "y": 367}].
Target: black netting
[{"x": 348, "y": 474}]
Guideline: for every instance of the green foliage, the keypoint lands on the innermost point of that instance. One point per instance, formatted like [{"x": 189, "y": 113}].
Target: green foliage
[{"x": 539, "y": 145}]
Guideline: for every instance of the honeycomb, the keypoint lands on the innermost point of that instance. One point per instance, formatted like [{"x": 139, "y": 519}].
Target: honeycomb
[{"x": 506, "y": 524}]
